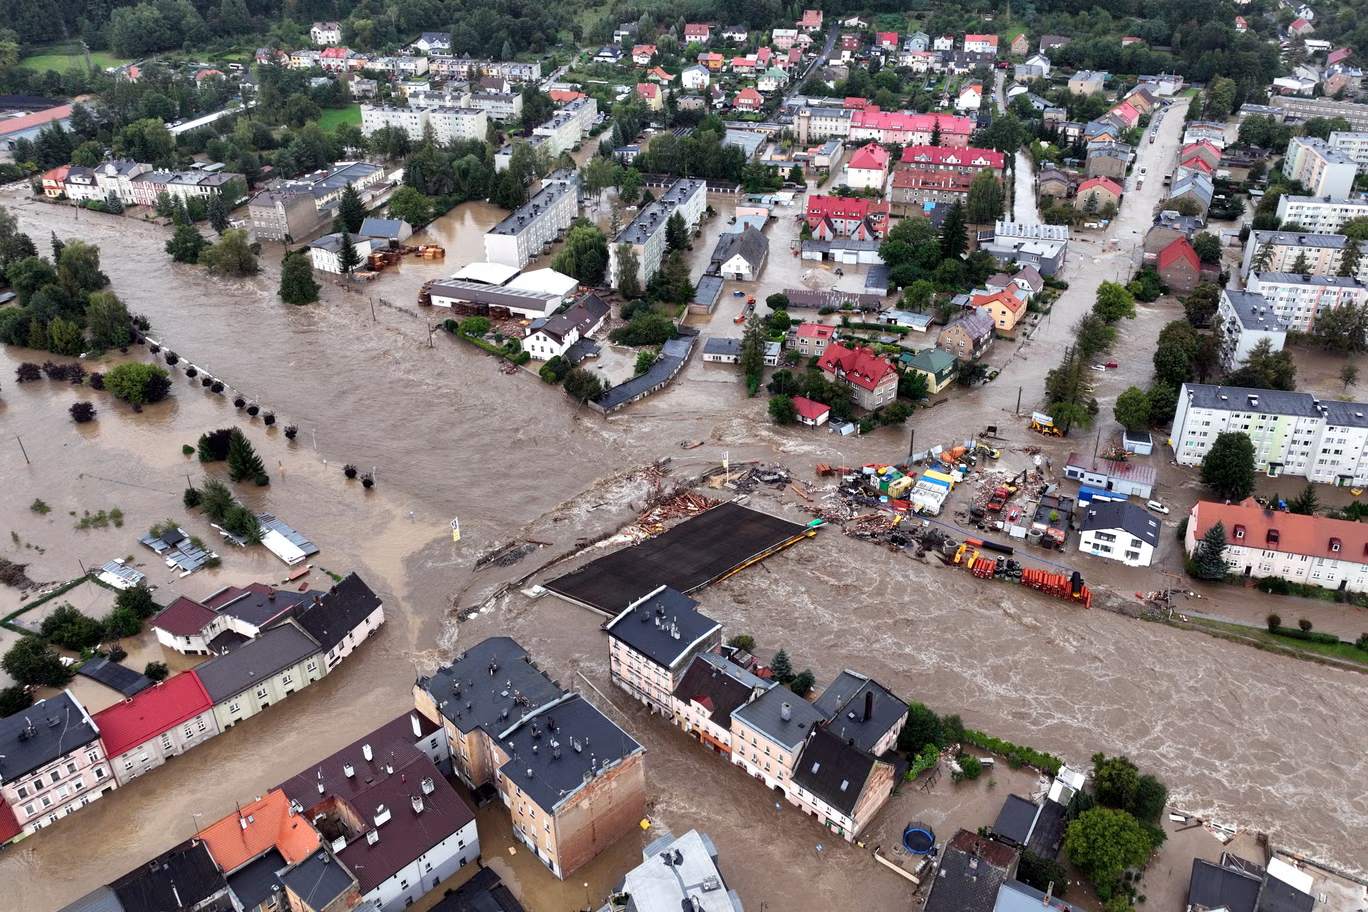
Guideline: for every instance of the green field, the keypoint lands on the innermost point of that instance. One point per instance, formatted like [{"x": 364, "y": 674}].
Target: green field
[
  {"x": 334, "y": 117},
  {"x": 1345, "y": 652},
  {"x": 70, "y": 60}
]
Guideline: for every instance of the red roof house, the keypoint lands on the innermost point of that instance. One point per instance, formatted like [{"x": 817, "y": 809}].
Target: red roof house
[
  {"x": 267, "y": 823},
  {"x": 748, "y": 99},
  {"x": 1300, "y": 26},
  {"x": 811, "y": 413},
  {"x": 9, "y": 824},
  {"x": 1251, "y": 529},
  {"x": 1126, "y": 112},
  {"x": 562, "y": 96},
  {"x": 874, "y": 382},
  {"x": 811, "y": 21},
  {"x": 944, "y": 158},
  {"x": 184, "y": 617},
  {"x": 1179, "y": 267},
  {"x": 887, "y": 40},
  {"x": 1104, "y": 188},
  {"x": 150, "y": 712},
  {"x": 1338, "y": 56},
  {"x": 697, "y": 31},
  {"x": 860, "y": 219}
]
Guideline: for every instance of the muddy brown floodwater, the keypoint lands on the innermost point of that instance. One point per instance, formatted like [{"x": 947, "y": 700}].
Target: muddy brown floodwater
[{"x": 1258, "y": 740}]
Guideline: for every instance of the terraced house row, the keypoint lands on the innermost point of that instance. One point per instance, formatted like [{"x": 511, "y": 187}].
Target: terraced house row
[{"x": 56, "y": 758}]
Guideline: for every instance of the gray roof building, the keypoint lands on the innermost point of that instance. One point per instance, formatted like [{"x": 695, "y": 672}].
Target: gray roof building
[
  {"x": 679, "y": 871},
  {"x": 749, "y": 243},
  {"x": 720, "y": 684},
  {"x": 1015, "y": 896},
  {"x": 1278, "y": 402},
  {"x": 559, "y": 749},
  {"x": 780, "y": 716},
  {"x": 270, "y": 653},
  {"x": 482, "y": 893},
  {"x": 256, "y": 881},
  {"x": 972, "y": 870},
  {"x": 1121, "y": 515},
  {"x": 338, "y": 611},
  {"x": 183, "y": 878},
  {"x": 1015, "y": 820},
  {"x": 664, "y": 626},
  {"x": 728, "y": 348},
  {"x": 492, "y": 685},
  {"x": 319, "y": 880},
  {"x": 100, "y": 899},
  {"x": 46, "y": 731},
  {"x": 860, "y": 709},
  {"x": 388, "y": 229},
  {"x": 833, "y": 770},
  {"x": 1213, "y": 886}
]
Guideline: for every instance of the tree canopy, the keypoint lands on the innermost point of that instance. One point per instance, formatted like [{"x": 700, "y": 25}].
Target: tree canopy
[{"x": 1228, "y": 467}]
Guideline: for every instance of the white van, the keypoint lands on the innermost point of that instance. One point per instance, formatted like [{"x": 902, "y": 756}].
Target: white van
[{"x": 1157, "y": 507}]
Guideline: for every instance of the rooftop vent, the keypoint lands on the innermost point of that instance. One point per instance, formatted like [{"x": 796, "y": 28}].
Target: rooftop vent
[
  {"x": 429, "y": 786},
  {"x": 382, "y": 815},
  {"x": 347, "y": 770},
  {"x": 372, "y": 836}
]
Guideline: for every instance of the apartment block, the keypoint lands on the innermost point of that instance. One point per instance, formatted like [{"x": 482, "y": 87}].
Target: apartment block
[
  {"x": 154, "y": 725},
  {"x": 1320, "y": 254},
  {"x": 1246, "y": 320},
  {"x": 645, "y": 234},
  {"x": 1297, "y": 300},
  {"x": 712, "y": 688},
  {"x": 449, "y": 124},
  {"x": 821, "y": 123},
  {"x": 652, "y": 642},
  {"x": 502, "y": 106},
  {"x": 1314, "y": 550},
  {"x": 573, "y": 781},
  {"x": 1307, "y": 108},
  {"x": 1320, "y": 167},
  {"x": 52, "y": 763},
  {"x": 538, "y": 222},
  {"x": 568, "y": 125},
  {"x": 1320, "y": 214},
  {"x": 1354, "y": 145},
  {"x": 1324, "y": 441}
]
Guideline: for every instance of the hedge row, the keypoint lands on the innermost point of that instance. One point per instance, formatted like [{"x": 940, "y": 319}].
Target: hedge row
[
  {"x": 1016, "y": 754},
  {"x": 1309, "y": 636},
  {"x": 520, "y": 358}
]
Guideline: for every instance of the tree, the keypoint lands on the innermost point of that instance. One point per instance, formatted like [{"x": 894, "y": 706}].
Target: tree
[
  {"x": 1349, "y": 374},
  {"x": 628, "y": 267},
  {"x": 896, "y": 412},
  {"x": 753, "y": 352},
  {"x": 782, "y": 667},
  {"x": 120, "y": 623},
  {"x": 243, "y": 462},
  {"x": 1306, "y": 503},
  {"x": 108, "y": 321},
  {"x": 138, "y": 383},
  {"x": 676, "y": 232},
  {"x": 629, "y": 191},
  {"x": 1342, "y": 329},
  {"x": 970, "y": 372},
  {"x": 1263, "y": 257},
  {"x": 777, "y": 301},
  {"x": 32, "y": 663},
  {"x": 1103, "y": 842},
  {"x": 1149, "y": 799},
  {"x": 1200, "y": 306},
  {"x": 922, "y": 727},
  {"x": 186, "y": 245},
  {"x": 782, "y": 410},
  {"x": 473, "y": 327},
  {"x": 742, "y": 641},
  {"x": 217, "y": 211},
  {"x": 1207, "y": 247},
  {"x": 408, "y": 204},
  {"x": 14, "y": 700},
  {"x": 1132, "y": 409},
  {"x": 347, "y": 257},
  {"x": 585, "y": 254},
  {"x": 231, "y": 256},
  {"x": 986, "y": 199},
  {"x": 1349, "y": 259},
  {"x": 137, "y": 599},
  {"x": 350, "y": 208},
  {"x": 78, "y": 268},
  {"x": 1114, "y": 302},
  {"x": 803, "y": 682},
  {"x": 583, "y": 385},
  {"x": 297, "y": 285},
  {"x": 954, "y": 233},
  {"x": 1355, "y": 229},
  {"x": 1114, "y": 780},
  {"x": 1228, "y": 468},
  {"x": 1043, "y": 873},
  {"x": 69, "y": 628},
  {"x": 1209, "y": 557},
  {"x": 1264, "y": 368},
  {"x": 157, "y": 671}
]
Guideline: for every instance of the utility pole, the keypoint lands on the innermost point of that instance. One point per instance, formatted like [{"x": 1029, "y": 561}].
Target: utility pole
[
  {"x": 1018, "y": 408},
  {"x": 374, "y": 318},
  {"x": 911, "y": 444},
  {"x": 27, "y": 461}
]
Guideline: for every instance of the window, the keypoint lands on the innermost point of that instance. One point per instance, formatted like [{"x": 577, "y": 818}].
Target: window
[
  {"x": 29, "y": 810},
  {"x": 99, "y": 773},
  {"x": 287, "y": 679},
  {"x": 199, "y": 724},
  {"x": 71, "y": 767},
  {"x": 166, "y": 742},
  {"x": 233, "y": 707},
  {"x": 128, "y": 764},
  {"x": 261, "y": 693},
  {"x": 56, "y": 776},
  {"x": 23, "y": 792},
  {"x": 47, "y": 801},
  {"x": 92, "y": 756}
]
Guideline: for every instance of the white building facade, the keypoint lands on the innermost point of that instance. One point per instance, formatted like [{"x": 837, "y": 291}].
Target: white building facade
[
  {"x": 1319, "y": 215},
  {"x": 1298, "y": 300},
  {"x": 645, "y": 234}
]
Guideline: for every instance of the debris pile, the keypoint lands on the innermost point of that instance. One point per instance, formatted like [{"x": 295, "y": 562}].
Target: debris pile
[{"x": 652, "y": 522}]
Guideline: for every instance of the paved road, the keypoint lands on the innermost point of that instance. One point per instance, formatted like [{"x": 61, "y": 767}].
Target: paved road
[{"x": 1023, "y": 176}]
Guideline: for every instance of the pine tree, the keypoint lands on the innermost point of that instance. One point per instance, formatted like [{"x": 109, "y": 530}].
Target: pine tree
[
  {"x": 1349, "y": 259},
  {"x": 1306, "y": 503},
  {"x": 1263, "y": 260},
  {"x": 297, "y": 285},
  {"x": 350, "y": 208},
  {"x": 243, "y": 462},
  {"x": 1210, "y": 554},
  {"x": 676, "y": 232},
  {"x": 1300, "y": 266},
  {"x": 782, "y": 667},
  {"x": 113, "y": 203},
  {"x": 57, "y": 247},
  {"x": 936, "y": 133},
  {"x": 753, "y": 353},
  {"x": 217, "y": 210},
  {"x": 347, "y": 257},
  {"x": 954, "y": 235}
]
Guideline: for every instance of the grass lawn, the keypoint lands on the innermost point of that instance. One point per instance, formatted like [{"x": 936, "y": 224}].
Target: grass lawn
[
  {"x": 1347, "y": 652},
  {"x": 71, "y": 60},
  {"x": 333, "y": 118}
]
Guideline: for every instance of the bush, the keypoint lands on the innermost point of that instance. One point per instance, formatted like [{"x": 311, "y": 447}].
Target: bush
[
  {"x": 1274, "y": 621},
  {"x": 746, "y": 643},
  {"x": 192, "y": 497},
  {"x": 14, "y": 700},
  {"x": 140, "y": 384},
  {"x": 187, "y": 449},
  {"x": 70, "y": 629},
  {"x": 82, "y": 412},
  {"x": 1305, "y": 624},
  {"x": 1362, "y": 642},
  {"x": 474, "y": 327},
  {"x": 32, "y": 662},
  {"x": 972, "y": 766},
  {"x": 1039, "y": 872},
  {"x": 1046, "y": 763},
  {"x": 157, "y": 671},
  {"x": 803, "y": 683},
  {"x": 213, "y": 446}
]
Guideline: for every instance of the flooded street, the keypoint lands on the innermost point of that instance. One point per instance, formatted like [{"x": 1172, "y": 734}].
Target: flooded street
[{"x": 1246, "y": 737}]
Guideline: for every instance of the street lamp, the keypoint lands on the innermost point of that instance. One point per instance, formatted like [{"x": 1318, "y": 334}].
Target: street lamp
[
  {"x": 194, "y": 819},
  {"x": 587, "y": 905}
]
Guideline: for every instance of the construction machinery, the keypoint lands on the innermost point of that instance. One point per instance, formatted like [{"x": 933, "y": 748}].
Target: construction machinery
[
  {"x": 1044, "y": 424},
  {"x": 1001, "y": 495}
]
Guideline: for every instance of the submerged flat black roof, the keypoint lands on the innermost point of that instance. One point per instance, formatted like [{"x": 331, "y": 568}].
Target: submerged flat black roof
[{"x": 688, "y": 557}]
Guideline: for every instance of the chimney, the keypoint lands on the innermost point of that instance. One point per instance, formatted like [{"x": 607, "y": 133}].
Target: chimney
[
  {"x": 242, "y": 821},
  {"x": 417, "y": 729},
  {"x": 786, "y": 711},
  {"x": 347, "y": 770},
  {"x": 367, "y": 752},
  {"x": 417, "y": 804},
  {"x": 270, "y": 596},
  {"x": 1049, "y": 891},
  {"x": 869, "y": 705}
]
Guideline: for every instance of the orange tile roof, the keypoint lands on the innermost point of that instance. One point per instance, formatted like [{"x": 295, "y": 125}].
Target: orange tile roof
[
  {"x": 269, "y": 825},
  {"x": 1004, "y": 297},
  {"x": 1314, "y": 536}
]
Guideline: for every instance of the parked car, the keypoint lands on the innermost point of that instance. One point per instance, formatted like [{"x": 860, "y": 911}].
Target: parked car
[
  {"x": 1111, "y": 365},
  {"x": 1100, "y": 368},
  {"x": 1157, "y": 507}
]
